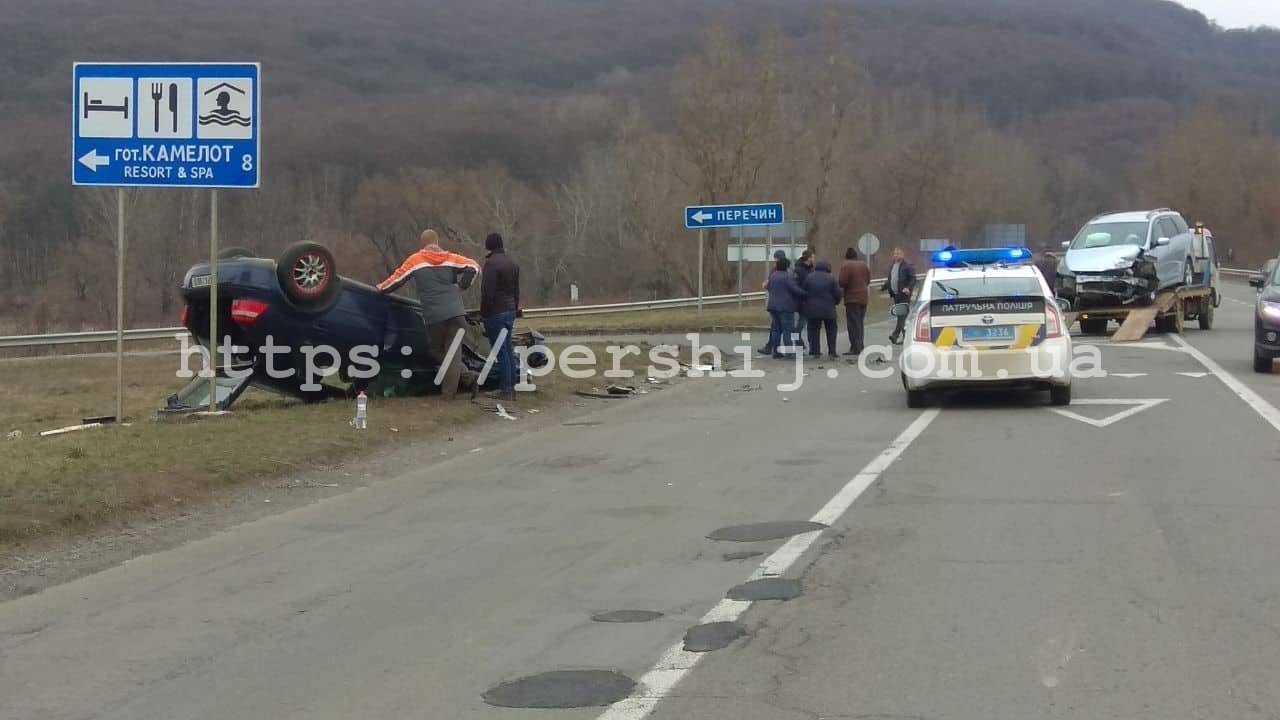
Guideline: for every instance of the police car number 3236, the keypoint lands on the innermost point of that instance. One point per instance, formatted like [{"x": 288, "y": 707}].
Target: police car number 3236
[{"x": 988, "y": 319}]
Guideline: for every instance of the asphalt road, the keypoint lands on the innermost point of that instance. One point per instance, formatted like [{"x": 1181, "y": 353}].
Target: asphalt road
[{"x": 990, "y": 558}]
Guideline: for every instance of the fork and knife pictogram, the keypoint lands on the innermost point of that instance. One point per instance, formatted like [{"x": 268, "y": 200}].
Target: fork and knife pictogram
[{"x": 157, "y": 94}]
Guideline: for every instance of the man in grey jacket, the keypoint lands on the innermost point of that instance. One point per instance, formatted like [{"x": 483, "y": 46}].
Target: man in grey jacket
[{"x": 440, "y": 276}]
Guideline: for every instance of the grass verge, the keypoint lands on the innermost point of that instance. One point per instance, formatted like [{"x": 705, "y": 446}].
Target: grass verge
[
  {"x": 714, "y": 317},
  {"x": 72, "y": 483}
]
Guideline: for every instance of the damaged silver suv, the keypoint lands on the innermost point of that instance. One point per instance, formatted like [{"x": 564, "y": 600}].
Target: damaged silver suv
[{"x": 1124, "y": 258}]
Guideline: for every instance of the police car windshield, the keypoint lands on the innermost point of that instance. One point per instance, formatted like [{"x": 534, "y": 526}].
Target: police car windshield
[
  {"x": 990, "y": 286},
  {"x": 1111, "y": 235}
]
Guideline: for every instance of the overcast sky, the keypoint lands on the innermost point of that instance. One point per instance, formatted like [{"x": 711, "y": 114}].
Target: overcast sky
[{"x": 1238, "y": 13}]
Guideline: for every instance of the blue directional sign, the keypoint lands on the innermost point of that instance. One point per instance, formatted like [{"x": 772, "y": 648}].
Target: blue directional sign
[
  {"x": 722, "y": 216},
  {"x": 166, "y": 125}
]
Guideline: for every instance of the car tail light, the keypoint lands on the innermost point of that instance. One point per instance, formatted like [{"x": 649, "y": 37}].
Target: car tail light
[
  {"x": 247, "y": 312},
  {"x": 186, "y": 315},
  {"x": 922, "y": 326},
  {"x": 1052, "y": 323}
]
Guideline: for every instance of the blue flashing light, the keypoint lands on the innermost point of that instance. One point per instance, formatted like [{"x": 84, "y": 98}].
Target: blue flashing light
[{"x": 950, "y": 257}]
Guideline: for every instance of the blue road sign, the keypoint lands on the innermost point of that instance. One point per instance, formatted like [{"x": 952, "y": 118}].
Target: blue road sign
[
  {"x": 166, "y": 125},
  {"x": 722, "y": 216}
]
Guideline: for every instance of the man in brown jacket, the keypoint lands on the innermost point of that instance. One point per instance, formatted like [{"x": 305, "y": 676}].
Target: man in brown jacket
[{"x": 855, "y": 277}]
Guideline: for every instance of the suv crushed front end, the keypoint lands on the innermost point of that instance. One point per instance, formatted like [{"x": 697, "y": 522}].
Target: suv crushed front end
[{"x": 1088, "y": 280}]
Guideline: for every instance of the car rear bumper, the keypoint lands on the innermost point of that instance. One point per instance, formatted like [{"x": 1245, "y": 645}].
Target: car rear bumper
[{"x": 925, "y": 366}]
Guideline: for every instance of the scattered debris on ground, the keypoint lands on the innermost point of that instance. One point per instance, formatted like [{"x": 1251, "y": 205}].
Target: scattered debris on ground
[
  {"x": 620, "y": 390},
  {"x": 70, "y": 429},
  {"x": 15, "y": 435},
  {"x": 502, "y": 413},
  {"x": 749, "y": 388}
]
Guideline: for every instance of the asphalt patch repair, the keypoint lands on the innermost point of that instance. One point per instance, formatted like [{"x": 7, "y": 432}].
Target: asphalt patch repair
[
  {"x": 627, "y": 616},
  {"x": 757, "y": 532},
  {"x": 562, "y": 689},
  {"x": 766, "y": 589},
  {"x": 712, "y": 636}
]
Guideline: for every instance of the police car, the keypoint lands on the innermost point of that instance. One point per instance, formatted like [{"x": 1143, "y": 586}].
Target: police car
[{"x": 987, "y": 319}]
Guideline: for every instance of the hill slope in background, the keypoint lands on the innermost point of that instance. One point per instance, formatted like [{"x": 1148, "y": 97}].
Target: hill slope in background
[{"x": 528, "y": 86}]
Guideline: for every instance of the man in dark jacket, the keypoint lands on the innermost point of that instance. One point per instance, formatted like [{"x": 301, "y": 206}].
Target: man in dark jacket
[
  {"x": 441, "y": 276},
  {"x": 804, "y": 266},
  {"x": 785, "y": 296},
  {"x": 900, "y": 284},
  {"x": 822, "y": 294},
  {"x": 855, "y": 279},
  {"x": 499, "y": 305}
]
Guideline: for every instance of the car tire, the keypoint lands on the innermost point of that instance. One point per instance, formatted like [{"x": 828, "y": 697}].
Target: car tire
[
  {"x": 308, "y": 276},
  {"x": 917, "y": 399},
  {"x": 1060, "y": 395},
  {"x": 1206, "y": 314},
  {"x": 1261, "y": 362},
  {"x": 1096, "y": 326},
  {"x": 232, "y": 253}
]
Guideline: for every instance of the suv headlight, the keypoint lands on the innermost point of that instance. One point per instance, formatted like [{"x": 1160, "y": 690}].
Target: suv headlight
[
  {"x": 1269, "y": 310},
  {"x": 1124, "y": 264}
]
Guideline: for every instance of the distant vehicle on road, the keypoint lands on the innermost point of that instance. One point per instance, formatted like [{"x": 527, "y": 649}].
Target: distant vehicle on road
[
  {"x": 300, "y": 300},
  {"x": 986, "y": 319},
  {"x": 1126, "y": 258},
  {"x": 1266, "y": 318}
]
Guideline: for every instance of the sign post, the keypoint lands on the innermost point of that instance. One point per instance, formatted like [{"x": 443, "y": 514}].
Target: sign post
[
  {"x": 704, "y": 217},
  {"x": 213, "y": 300},
  {"x": 174, "y": 125},
  {"x": 119, "y": 305},
  {"x": 740, "y": 261}
]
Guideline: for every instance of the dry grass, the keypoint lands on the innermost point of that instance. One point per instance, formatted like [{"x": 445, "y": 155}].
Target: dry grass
[
  {"x": 74, "y": 482},
  {"x": 714, "y": 317}
]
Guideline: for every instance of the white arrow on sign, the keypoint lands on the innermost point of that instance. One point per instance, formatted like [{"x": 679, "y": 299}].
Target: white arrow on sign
[
  {"x": 93, "y": 160},
  {"x": 700, "y": 217},
  {"x": 1134, "y": 405}
]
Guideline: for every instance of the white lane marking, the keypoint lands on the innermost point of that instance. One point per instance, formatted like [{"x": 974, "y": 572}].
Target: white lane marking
[
  {"x": 1127, "y": 376},
  {"x": 661, "y": 680},
  {"x": 1148, "y": 345},
  {"x": 1264, "y": 409},
  {"x": 1196, "y": 375},
  {"x": 1136, "y": 406}
]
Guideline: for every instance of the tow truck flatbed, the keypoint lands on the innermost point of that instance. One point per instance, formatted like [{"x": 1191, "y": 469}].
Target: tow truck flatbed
[{"x": 1169, "y": 312}]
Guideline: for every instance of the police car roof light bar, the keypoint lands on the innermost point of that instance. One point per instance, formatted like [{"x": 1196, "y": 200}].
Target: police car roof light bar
[{"x": 951, "y": 257}]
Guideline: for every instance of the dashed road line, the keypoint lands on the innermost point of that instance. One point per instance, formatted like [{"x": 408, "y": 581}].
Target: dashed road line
[{"x": 661, "y": 680}]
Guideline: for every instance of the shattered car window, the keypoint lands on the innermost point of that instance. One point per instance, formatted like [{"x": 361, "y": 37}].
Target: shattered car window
[{"x": 1110, "y": 235}]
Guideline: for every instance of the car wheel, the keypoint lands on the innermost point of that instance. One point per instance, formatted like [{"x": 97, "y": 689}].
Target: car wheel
[
  {"x": 1206, "y": 314},
  {"x": 1096, "y": 326},
  {"x": 1060, "y": 395},
  {"x": 232, "y": 253},
  {"x": 917, "y": 399},
  {"x": 1261, "y": 363},
  {"x": 308, "y": 275}
]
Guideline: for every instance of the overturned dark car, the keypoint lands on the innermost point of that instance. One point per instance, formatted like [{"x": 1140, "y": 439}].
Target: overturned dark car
[{"x": 294, "y": 321}]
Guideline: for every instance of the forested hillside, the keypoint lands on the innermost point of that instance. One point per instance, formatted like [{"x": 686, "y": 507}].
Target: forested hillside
[{"x": 580, "y": 128}]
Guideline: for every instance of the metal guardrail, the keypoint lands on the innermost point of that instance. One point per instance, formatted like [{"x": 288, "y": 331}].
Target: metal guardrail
[{"x": 109, "y": 336}]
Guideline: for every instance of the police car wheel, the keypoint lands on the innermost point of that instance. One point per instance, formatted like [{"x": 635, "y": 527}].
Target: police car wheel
[
  {"x": 1060, "y": 395},
  {"x": 1261, "y": 363},
  {"x": 917, "y": 399}
]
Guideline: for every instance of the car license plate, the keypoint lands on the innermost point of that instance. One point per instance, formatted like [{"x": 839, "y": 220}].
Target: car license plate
[
  {"x": 200, "y": 281},
  {"x": 1002, "y": 332}
]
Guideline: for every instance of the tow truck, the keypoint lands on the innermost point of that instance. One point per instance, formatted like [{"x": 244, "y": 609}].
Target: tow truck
[{"x": 1172, "y": 308}]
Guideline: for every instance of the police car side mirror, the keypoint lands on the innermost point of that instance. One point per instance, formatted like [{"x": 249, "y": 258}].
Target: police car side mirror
[
  {"x": 1255, "y": 282},
  {"x": 1063, "y": 304},
  {"x": 900, "y": 310},
  {"x": 1066, "y": 244}
]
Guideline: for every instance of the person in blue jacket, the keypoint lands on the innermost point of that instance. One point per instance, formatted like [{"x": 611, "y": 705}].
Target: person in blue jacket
[
  {"x": 822, "y": 295},
  {"x": 785, "y": 296}
]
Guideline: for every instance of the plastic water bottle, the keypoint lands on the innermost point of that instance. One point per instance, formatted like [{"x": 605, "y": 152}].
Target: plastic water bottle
[{"x": 362, "y": 410}]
